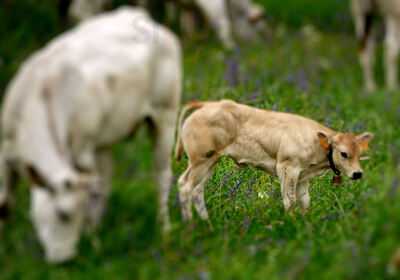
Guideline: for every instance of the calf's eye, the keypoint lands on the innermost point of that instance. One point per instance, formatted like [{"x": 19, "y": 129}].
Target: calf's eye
[{"x": 344, "y": 155}]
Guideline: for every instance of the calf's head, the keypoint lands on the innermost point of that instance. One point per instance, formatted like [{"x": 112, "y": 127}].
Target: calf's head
[
  {"x": 345, "y": 151},
  {"x": 58, "y": 211}
]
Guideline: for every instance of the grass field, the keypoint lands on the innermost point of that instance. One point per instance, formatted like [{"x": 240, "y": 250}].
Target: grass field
[{"x": 350, "y": 232}]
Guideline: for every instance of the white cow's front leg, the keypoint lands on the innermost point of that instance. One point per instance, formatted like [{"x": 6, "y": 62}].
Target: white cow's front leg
[
  {"x": 288, "y": 175},
  {"x": 392, "y": 51},
  {"x": 86, "y": 159},
  {"x": 98, "y": 166},
  {"x": 100, "y": 191},
  {"x": 165, "y": 131}
]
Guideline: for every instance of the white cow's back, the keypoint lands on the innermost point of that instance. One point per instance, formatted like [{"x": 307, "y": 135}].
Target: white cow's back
[{"x": 111, "y": 54}]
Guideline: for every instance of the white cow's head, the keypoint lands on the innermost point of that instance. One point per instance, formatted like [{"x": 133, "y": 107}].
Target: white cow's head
[
  {"x": 248, "y": 19},
  {"x": 58, "y": 210},
  {"x": 83, "y": 9}
]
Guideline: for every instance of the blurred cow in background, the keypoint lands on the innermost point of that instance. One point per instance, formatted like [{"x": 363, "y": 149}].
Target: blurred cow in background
[
  {"x": 234, "y": 18},
  {"x": 240, "y": 19},
  {"x": 83, "y": 9},
  {"x": 365, "y": 13},
  {"x": 71, "y": 101}
]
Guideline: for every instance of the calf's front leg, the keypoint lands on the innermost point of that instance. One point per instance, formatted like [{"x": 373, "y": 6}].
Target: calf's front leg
[
  {"x": 303, "y": 195},
  {"x": 289, "y": 176}
]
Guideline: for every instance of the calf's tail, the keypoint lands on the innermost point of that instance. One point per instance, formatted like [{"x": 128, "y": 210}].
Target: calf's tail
[{"x": 188, "y": 107}]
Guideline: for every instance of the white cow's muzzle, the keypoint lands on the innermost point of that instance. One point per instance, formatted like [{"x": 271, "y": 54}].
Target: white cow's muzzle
[{"x": 58, "y": 238}]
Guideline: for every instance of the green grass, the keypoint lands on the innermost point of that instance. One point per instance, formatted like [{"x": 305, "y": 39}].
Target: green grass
[
  {"x": 331, "y": 15},
  {"x": 350, "y": 232}
]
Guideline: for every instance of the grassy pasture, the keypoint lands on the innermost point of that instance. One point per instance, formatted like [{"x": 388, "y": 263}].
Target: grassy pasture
[{"x": 350, "y": 232}]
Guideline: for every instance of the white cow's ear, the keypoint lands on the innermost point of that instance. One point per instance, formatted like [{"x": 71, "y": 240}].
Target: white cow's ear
[{"x": 36, "y": 178}]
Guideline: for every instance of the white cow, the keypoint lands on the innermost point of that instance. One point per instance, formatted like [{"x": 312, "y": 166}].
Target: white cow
[
  {"x": 72, "y": 100},
  {"x": 365, "y": 13}
]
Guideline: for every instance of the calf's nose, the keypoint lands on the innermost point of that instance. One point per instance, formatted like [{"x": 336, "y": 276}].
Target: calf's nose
[{"x": 357, "y": 175}]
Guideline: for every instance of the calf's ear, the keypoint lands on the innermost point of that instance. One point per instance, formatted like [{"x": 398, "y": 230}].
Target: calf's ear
[
  {"x": 323, "y": 140},
  {"x": 363, "y": 140}
]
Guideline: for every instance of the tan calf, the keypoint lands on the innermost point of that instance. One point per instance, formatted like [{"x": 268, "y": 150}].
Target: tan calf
[{"x": 289, "y": 146}]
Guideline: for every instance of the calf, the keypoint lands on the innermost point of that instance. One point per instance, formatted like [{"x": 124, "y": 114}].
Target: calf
[
  {"x": 292, "y": 147},
  {"x": 365, "y": 13},
  {"x": 70, "y": 102}
]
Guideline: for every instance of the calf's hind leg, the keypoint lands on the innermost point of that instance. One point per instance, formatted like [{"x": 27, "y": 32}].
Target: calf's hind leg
[
  {"x": 185, "y": 190},
  {"x": 198, "y": 191},
  {"x": 198, "y": 199},
  {"x": 192, "y": 189}
]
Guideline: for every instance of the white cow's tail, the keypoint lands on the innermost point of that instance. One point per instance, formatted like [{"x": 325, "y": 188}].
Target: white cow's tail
[{"x": 190, "y": 106}]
